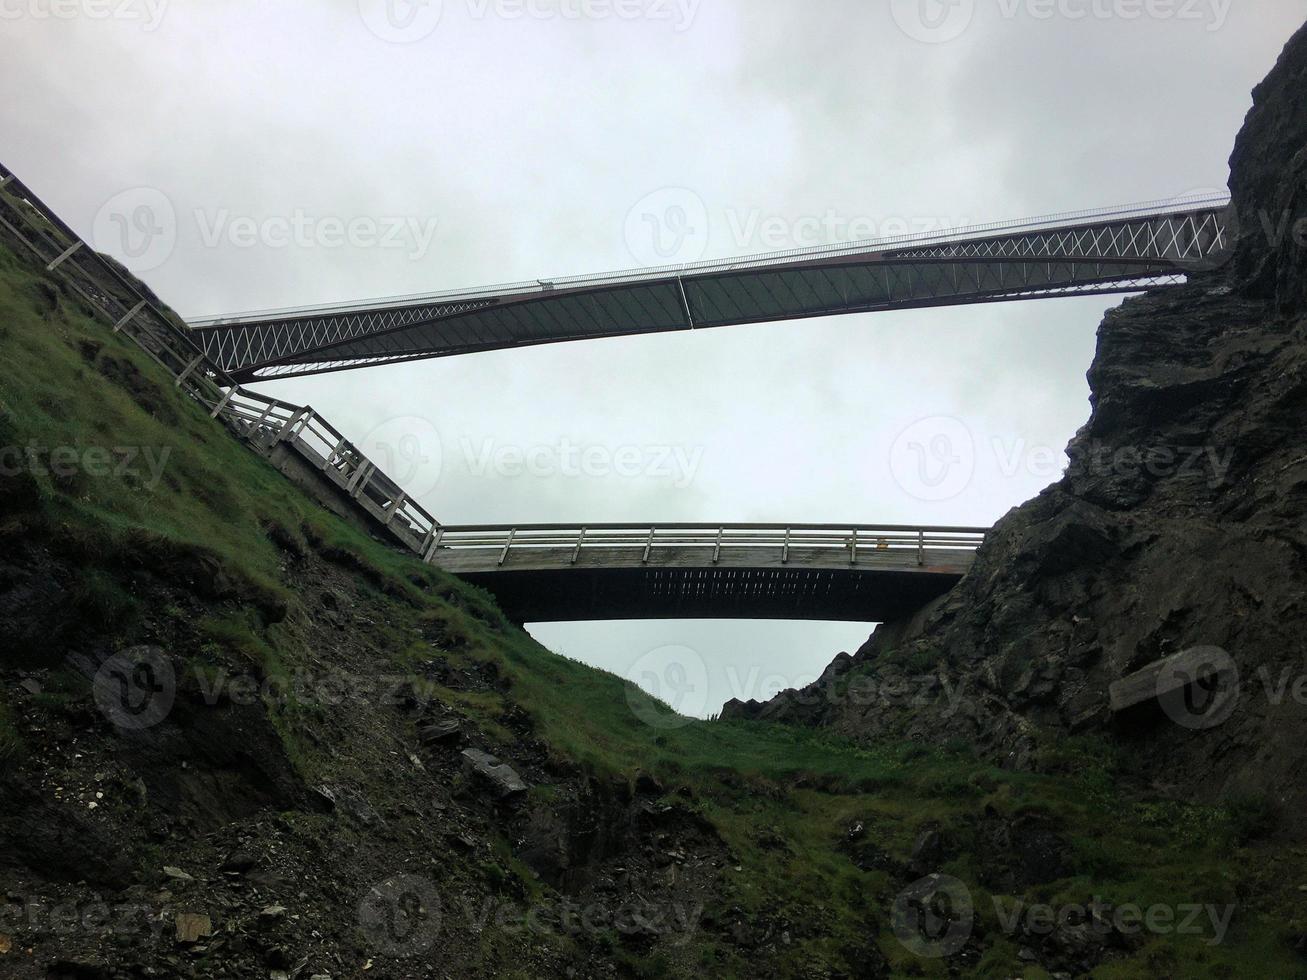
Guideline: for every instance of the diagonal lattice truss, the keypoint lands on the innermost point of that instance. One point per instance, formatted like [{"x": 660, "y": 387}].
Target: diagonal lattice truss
[{"x": 1086, "y": 253}]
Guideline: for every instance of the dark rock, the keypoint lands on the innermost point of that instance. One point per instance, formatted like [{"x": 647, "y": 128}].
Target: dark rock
[
  {"x": 929, "y": 852},
  {"x": 446, "y": 730},
  {"x": 501, "y": 779},
  {"x": 239, "y": 862},
  {"x": 1177, "y": 525},
  {"x": 647, "y": 785}
]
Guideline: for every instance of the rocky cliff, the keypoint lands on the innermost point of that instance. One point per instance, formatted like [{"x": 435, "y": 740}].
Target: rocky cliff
[{"x": 1178, "y": 524}]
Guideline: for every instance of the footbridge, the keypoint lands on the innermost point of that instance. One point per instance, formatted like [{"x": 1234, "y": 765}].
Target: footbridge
[
  {"x": 1121, "y": 250},
  {"x": 858, "y": 573}
]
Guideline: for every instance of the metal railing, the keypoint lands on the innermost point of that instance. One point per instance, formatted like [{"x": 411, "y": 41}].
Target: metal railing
[
  {"x": 1049, "y": 222},
  {"x": 833, "y": 543},
  {"x": 261, "y": 420}
]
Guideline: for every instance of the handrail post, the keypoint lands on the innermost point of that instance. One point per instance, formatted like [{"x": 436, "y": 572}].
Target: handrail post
[
  {"x": 395, "y": 505},
  {"x": 335, "y": 454},
  {"x": 434, "y": 545},
  {"x": 785, "y": 549},
  {"x": 576, "y": 552},
  {"x": 129, "y": 316},
  {"x": 64, "y": 255},
  {"x": 921, "y": 546},
  {"x": 186, "y": 371},
  {"x": 285, "y": 432},
  {"x": 231, "y": 393},
  {"x": 853, "y": 548},
  {"x": 507, "y": 544},
  {"x": 717, "y": 550},
  {"x": 648, "y": 547},
  {"x": 361, "y": 479}
]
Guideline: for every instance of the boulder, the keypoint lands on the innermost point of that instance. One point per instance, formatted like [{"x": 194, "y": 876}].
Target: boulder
[{"x": 501, "y": 779}]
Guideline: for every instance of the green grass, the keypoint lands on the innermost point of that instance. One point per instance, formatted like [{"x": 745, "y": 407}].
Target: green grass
[{"x": 758, "y": 784}]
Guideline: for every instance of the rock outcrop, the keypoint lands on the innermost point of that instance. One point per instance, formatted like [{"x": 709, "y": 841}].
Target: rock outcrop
[{"x": 1178, "y": 524}]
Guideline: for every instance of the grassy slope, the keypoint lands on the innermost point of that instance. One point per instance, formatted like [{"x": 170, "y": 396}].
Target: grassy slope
[{"x": 751, "y": 781}]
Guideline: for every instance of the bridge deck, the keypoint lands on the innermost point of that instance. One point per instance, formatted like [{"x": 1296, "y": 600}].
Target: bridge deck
[
  {"x": 1123, "y": 250},
  {"x": 552, "y": 573}
]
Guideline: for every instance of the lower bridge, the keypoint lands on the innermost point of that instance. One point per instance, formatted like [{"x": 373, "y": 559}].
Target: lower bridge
[{"x": 857, "y": 573}]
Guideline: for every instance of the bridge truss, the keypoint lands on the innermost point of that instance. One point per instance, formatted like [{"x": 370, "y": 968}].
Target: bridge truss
[{"x": 1082, "y": 253}]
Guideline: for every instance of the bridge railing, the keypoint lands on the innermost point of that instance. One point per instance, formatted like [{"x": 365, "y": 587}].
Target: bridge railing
[
  {"x": 263, "y": 421},
  {"x": 913, "y": 240},
  {"x": 851, "y": 543}
]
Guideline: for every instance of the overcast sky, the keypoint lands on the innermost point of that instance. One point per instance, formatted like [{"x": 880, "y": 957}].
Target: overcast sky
[{"x": 472, "y": 142}]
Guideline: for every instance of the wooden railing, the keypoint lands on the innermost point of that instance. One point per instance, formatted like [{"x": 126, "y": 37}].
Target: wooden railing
[{"x": 261, "y": 420}]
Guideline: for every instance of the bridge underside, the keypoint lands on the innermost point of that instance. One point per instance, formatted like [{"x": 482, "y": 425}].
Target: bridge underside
[
  {"x": 847, "y": 595},
  {"x": 864, "y": 575},
  {"x": 1121, "y": 252}
]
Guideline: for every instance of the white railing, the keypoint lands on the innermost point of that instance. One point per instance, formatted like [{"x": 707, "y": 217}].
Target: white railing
[
  {"x": 843, "y": 543},
  {"x": 261, "y": 420}
]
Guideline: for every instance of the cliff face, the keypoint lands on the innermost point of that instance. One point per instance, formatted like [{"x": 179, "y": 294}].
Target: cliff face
[{"x": 1179, "y": 524}]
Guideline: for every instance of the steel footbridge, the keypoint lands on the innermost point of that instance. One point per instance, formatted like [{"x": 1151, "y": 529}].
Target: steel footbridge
[{"x": 1121, "y": 250}]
